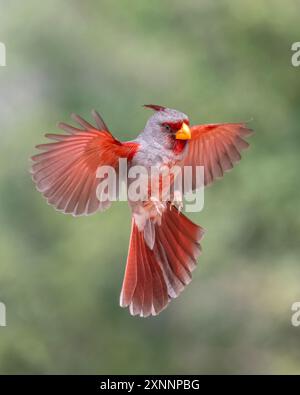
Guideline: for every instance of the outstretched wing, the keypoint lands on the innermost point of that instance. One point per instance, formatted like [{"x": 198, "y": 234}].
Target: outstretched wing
[
  {"x": 65, "y": 172},
  {"x": 217, "y": 147}
]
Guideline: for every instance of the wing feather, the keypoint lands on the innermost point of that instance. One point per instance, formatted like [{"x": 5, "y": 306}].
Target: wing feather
[
  {"x": 65, "y": 171},
  {"x": 217, "y": 147}
]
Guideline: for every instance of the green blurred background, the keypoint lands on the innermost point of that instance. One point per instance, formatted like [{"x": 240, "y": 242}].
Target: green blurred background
[{"x": 60, "y": 276}]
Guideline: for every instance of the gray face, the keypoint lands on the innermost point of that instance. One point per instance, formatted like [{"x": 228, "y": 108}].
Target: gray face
[{"x": 155, "y": 132}]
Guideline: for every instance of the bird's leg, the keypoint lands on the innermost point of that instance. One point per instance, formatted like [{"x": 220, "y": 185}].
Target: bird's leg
[
  {"x": 158, "y": 204},
  {"x": 177, "y": 201}
]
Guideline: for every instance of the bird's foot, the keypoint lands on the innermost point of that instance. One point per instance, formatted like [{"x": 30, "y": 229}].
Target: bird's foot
[{"x": 158, "y": 204}]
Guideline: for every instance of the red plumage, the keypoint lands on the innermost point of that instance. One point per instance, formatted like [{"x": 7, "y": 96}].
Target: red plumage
[
  {"x": 164, "y": 244},
  {"x": 155, "y": 107},
  {"x": 155, "y": 276}
]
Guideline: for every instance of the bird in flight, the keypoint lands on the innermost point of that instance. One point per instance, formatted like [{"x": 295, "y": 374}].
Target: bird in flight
[{"x": 164, "y": 244}]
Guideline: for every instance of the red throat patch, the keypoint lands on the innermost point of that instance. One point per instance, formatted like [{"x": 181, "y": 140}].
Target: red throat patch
[{"x": 179, "y": 146}]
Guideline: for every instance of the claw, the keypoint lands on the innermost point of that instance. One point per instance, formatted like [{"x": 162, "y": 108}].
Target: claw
[{"x": 159, "y": 205}]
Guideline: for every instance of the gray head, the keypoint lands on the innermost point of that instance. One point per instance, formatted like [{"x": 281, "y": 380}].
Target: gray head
[{"x": 166, "y": 126}]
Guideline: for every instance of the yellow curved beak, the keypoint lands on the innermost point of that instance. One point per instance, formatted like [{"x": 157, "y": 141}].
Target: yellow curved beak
[{"x": 184, "y": 133}]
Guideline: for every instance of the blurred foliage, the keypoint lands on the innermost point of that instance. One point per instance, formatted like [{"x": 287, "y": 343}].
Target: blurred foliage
[{"x": 60, "y": 276}]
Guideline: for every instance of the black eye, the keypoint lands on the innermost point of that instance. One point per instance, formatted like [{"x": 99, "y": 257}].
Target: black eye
[{"x": 167, "y": 128}]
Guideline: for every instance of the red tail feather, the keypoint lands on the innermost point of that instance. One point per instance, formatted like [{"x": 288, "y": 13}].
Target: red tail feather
[{"x": 154, "y": 277}]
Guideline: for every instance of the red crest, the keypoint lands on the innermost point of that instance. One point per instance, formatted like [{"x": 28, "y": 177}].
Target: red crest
[{"x": 155, "y": 107}]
